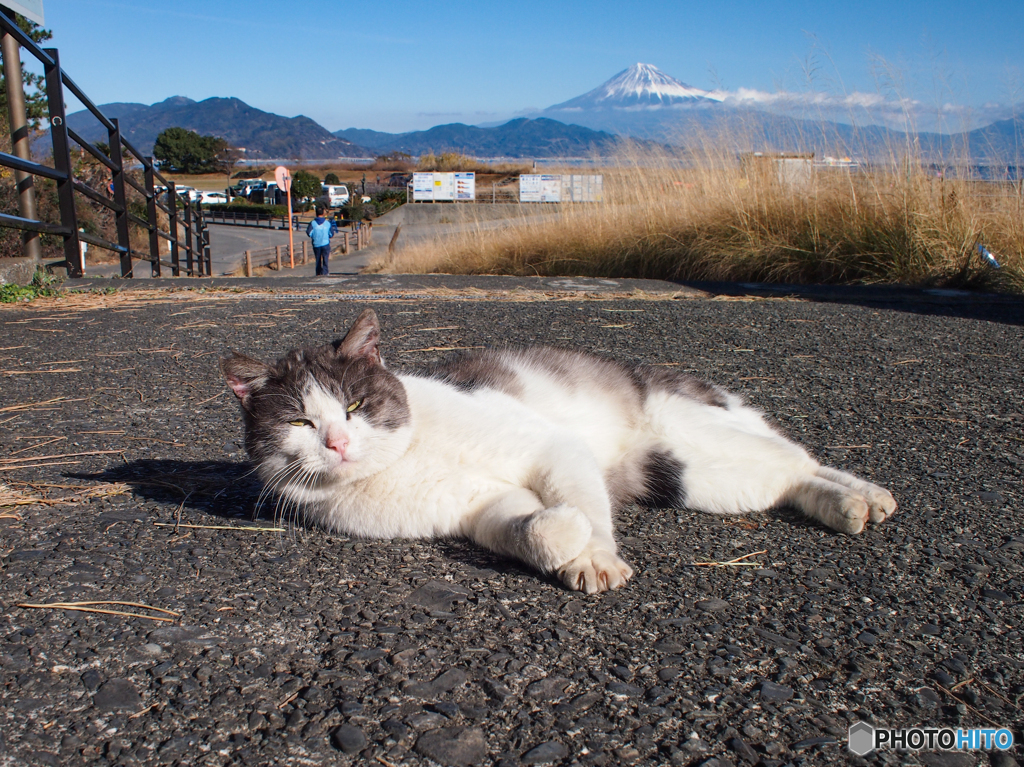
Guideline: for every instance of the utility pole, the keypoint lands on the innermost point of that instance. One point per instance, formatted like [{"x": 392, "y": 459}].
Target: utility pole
[{"x": 19, "y": 137}]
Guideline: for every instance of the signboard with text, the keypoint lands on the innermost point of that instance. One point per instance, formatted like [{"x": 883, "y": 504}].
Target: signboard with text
[
  {"x": 529, "y": 187},
  {"x": 465, "y": 186},
  {"x": 30, "y": 9},
  {"x": 443, "y": 187},
  {"x": 422, "y": 187},
  {"x": 535, "y": 187}
]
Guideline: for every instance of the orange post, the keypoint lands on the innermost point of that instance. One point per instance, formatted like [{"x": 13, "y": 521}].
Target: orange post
[
  {"x": 284, "y": 181},
  {"x": 291, "y": 233}
]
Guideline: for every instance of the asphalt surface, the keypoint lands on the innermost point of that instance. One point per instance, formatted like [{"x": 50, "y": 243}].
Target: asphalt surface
[
  {"x": 302, "y": 647},
  {"x": 228, "y": 244}
]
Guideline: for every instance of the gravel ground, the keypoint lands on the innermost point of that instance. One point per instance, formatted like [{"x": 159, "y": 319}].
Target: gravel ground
[{"x": 302, "y": 647}]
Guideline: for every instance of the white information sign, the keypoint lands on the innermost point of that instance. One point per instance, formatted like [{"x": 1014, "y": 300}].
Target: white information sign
[
  {"x": 582, "y": 188},
  {"x": 30, "y": 9},
  {"x": 465, "y": 186},
  {"x": 529, "y": 188},
  {"x": 422, "y": 187},
  {"x": 441, "y": 187},
  {"x": 561, "y": 188},
  {"x": 550, "y": 188},
  {"x": 444, "y": 186}
]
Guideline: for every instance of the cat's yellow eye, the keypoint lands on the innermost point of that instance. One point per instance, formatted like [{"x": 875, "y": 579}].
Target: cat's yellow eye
[
  {"x": 301, "y": 422},
  {"x": 353, "y": 407}
]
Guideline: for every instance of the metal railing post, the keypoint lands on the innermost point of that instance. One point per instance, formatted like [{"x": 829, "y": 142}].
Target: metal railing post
[
  {"x": 154, "y": 238},
  {"x": 189, "y": 265},
  {"x": 172, "y": 206},
  {"x": 197, "y": 238},
  {"x": 73, "y": 257},
  {"x": 204, "y": 234},
  {"x": 120, "y": 198}
]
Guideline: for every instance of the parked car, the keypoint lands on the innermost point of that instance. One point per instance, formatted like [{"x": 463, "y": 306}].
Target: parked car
[
  {"x": 213, "y": 198},
  {"x": 334, "y": 195},
  {"x": 247, "y": 186},
  {"x": 189, "y": 193}
]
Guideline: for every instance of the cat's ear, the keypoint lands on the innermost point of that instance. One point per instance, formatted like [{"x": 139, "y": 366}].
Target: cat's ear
[
  {"x": 245, "y": 375},
  {"x": 363, "y": 338}
]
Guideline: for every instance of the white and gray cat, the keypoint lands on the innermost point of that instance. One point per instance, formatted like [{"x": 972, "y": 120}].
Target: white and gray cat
[{"x": 527, "y": 452}]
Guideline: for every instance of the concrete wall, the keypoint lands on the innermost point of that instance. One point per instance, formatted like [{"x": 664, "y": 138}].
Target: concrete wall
[
  {"x": 18, "y": 271},
  {"x": 459, "y": 212}
]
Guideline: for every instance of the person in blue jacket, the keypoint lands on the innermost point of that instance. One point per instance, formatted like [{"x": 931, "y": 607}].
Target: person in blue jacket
[{"x": 320, "y": 231}]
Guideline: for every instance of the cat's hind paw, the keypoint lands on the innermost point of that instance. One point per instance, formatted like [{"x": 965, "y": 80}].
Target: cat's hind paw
[
  {"x": 595, "y": 571},
  {"x": 873, "y": 505}
]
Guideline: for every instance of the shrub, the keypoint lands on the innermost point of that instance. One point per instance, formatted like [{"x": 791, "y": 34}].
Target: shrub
[
  {"x": 331, "y": 179},
  {"x": 42, "y": 284},
  {"x": 185, "y": 151},
  {"x": 305, "y": 184}
]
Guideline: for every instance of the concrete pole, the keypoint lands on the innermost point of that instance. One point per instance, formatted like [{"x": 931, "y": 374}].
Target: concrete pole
[{"x": 19, "y": 138}]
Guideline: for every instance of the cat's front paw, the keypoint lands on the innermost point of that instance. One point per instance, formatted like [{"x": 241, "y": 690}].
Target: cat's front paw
[
  {"x": 556, "y": 536},
  {"x": 594, "y": 571},
  {"x": 881, "y": 504}
]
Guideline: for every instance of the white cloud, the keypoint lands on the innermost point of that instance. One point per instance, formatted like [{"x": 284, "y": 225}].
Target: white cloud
[{"x": 871, "y": 107}]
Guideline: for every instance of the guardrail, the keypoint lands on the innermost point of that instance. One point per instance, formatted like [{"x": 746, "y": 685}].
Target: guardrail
[
  {"x": 272, "y": 258},
  {"x": 246, "y": 218},
  {"x": 186, "y": 231}
]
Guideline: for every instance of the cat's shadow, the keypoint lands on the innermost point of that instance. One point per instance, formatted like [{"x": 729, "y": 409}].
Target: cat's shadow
[
  {"x": 231, "y": 490},
  {"x": 225, "y": 489}
]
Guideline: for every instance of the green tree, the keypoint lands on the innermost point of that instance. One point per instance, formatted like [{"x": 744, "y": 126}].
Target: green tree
[
  {"x": 331, "y": 179},
  {"x": 305, "y": 184},
  {"x": 35, "y": 94},
  {"x": 184, "y": 151}
]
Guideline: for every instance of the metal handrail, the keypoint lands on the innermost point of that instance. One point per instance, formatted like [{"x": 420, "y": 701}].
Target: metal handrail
[
  {"x": 140, "y": 222},
  {"x": 188, "y": 231},
  {"x": 80, "y": 95},
  {"x": 24, "y": 40},
  {"x": 28, "y": 224},
  {"x": 137, "y": 186},
  {"x": 92, "y": 194},
  {"x": 94, "y": 151},
  {"x": 11, "y": 161},
  {"x": 99, "y": 242},
  {"x": 137, "y": 154}
]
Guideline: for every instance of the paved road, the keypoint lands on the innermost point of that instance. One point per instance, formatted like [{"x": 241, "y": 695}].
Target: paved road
[
  {"x": 306, "y": 647},
  {"x": 228, "y": 244}
]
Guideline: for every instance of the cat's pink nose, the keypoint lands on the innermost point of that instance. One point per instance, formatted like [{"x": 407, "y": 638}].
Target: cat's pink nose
[{"x": 338, "y": 444}]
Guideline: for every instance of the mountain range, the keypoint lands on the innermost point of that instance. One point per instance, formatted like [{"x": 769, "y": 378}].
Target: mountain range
[
  {"x": 263, "y": 135},
  {"x": 522, "y": 137},
  {"x": 641, "y": 103}
]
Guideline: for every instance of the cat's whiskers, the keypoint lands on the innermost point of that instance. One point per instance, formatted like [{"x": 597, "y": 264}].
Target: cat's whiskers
[{"x": 271, "y": 484}]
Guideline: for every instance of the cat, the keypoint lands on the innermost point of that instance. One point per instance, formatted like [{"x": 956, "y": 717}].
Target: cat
[{"x": 528, "y": 452}]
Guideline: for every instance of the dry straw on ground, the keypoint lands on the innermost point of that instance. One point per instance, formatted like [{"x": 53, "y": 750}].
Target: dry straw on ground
[{"x": 706, "y": 216}]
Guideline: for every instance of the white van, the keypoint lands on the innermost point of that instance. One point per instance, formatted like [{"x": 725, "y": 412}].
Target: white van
[{"x": 334, "y": 195}]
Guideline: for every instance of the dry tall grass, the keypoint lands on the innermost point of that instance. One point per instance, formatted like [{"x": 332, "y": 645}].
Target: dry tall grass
[{"x": 710, "y": 219}]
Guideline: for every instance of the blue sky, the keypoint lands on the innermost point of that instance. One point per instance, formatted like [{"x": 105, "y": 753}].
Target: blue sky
[{"x": 404, "y": 65}]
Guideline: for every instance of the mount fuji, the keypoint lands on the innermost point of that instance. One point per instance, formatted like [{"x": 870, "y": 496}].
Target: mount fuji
[
  {"x": 642, "y": 102},
  {"x": 642, "y": 86}
]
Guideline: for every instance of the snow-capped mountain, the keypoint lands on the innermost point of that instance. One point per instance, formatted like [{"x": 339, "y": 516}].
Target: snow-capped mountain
[{"x": 642, "y": 86}]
